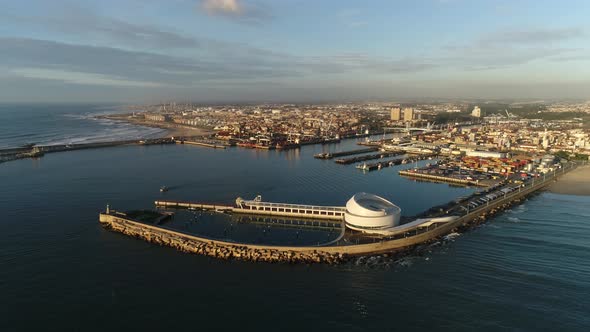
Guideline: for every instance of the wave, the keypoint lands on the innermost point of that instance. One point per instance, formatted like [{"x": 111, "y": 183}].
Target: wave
[{"x": 513, "y": 219}]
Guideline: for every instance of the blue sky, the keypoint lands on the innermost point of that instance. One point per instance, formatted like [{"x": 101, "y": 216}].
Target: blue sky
[{"x": 287, "y": 50}]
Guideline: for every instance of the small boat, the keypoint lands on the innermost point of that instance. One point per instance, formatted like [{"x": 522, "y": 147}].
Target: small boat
[
  {"x": 362, "y": 167},
  {"x": 163, "y": 189}
]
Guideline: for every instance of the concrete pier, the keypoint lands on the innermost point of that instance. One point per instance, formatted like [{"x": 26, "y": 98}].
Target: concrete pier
[
  {"x": 335, "y": 213},
  {"x": 204, "y": 144},
  {"x": 441, "y": 178}
]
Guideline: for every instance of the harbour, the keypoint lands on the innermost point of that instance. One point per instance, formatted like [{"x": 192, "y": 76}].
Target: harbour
[
  {"x": 392, "y": 240},
  {"x": 56, "y": 239}
]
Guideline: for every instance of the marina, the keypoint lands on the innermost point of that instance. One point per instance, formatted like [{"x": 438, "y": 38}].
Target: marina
[
  {"x": 352, "y": 160},
  {"x": 330, "y": 155},
  {"x": 414, "y": 174}
]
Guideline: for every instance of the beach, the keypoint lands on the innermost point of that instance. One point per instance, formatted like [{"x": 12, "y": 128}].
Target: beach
[
  {"x": 172, "y": 129},
  {"x": 576, "y": 182}
]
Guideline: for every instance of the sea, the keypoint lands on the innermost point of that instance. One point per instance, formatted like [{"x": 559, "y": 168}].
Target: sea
[{"x": 526, "y": 269}]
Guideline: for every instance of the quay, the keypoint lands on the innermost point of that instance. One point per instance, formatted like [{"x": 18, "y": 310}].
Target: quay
[
  {"x": 207, "y": 144},
  {"x": 258, "y": 207},
  {"x": 39, "y": 150},
  {"x": 344, "y": 153},
  {"x": 287, "y": 222},
  {"x": 438, "y": 178},
  {"x": 379, "y": 165},
  {"x": 352, "y": 160},
  {"x": 390, "y": 163},
  {"x": 408, "y": 236}
]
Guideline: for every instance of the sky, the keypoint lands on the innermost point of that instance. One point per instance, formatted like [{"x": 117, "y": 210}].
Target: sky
[{"x": 140, "y": 51}]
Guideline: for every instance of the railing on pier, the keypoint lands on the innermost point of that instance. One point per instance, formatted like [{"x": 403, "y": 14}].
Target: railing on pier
[{"x": 293, "y": 210}]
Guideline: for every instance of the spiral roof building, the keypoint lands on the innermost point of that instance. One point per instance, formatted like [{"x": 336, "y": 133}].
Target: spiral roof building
[{"x": 366, "y": 212}]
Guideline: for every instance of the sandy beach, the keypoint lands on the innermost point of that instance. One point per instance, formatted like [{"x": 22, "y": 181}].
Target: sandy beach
[
  {"x": 576, "y": 182},
  {"x": 172, "y": 129}
]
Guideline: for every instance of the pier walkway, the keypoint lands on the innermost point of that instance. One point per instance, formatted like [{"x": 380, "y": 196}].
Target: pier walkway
[
  {"x": 258, "y": 207},
  {"x": 441, "y": 178}
]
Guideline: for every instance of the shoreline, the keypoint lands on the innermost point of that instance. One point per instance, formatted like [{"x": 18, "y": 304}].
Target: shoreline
[
  {"x": 576, "y": 182},
  {"x": 172, "y": 129}
]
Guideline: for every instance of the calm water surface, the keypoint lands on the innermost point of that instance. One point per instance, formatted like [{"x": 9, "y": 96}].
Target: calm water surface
[{"x": 526, "y": 270}]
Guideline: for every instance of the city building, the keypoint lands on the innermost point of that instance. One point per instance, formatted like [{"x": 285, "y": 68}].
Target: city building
[
  {"x": 396, "y": 114},
  {"x": 476, "y": 112},
  {"x": 408, "y": 114}
]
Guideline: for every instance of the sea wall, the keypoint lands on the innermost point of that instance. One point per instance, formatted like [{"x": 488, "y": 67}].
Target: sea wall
[{"x": 218, "y": 249}]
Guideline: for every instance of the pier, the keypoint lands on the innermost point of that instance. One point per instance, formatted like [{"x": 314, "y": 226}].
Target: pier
[
  {"x": 207, "y": 144},
  {"x": 39, "y": 150},
  {"x": 344, "y": 153},
  {"x": 438, "y": 178},
  {"x": 402, "y": 240},
  {"x": 258, "y": 207},
  {"x": 347, "y": 161},
  {"x": 287, "y": 222}
]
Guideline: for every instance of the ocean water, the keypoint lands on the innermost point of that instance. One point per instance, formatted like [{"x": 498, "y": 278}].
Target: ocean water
[
  {"x": 64, "y": 124},
  {"x": 527, "y": 269}
]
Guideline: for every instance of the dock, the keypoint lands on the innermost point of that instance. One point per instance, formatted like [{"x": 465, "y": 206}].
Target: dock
[
  {"x": 257, "y": 207},
  {"x": 438, "y": 178},
  {"x": 207, "y": 144},
  {"x": 352, "y": 160},
  {"x": 287, "y": 222},
  {"x": 330, "y": 155}
]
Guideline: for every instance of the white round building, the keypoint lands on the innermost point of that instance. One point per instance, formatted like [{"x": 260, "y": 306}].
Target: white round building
[{"x": 368, "y": 212}]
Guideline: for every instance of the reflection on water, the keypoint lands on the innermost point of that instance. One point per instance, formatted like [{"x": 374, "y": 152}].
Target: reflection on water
[{"x": 254, "y": 229}]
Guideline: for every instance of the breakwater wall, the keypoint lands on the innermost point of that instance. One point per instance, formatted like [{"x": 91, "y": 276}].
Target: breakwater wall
[
  {"x": 218, "y": 249},
  {"x": 331, "y": 254},
  {"x": 40, "y": 150}
]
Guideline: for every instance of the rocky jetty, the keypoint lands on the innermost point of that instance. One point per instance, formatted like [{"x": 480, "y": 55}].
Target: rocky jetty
[{"x": 217, "y": 250}]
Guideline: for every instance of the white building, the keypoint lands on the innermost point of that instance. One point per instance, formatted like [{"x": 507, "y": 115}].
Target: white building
[
  {"x": 368, "y": 212},
  {"x": 476, "y": 112}
]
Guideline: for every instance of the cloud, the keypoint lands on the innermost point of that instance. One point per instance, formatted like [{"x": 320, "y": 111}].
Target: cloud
[
  {"x": 507, "y": 48},
  {"x": 80, "y": 78},
  {"x": 223, "y": 7},
  {"x": 532, "y": 36},
  {"x": 351, "y": 18},
  {"x": 100, "y": 28},
  {"x": 237, "y": 10}
]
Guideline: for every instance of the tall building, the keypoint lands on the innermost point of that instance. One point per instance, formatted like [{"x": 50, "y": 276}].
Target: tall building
[
  {"x": 476, "y": 112},
  {"x": 408, "y": 114},
  {"x": 396, "y": 114}
]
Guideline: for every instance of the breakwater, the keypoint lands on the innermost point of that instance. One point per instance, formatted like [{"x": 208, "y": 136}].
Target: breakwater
[
  {"x": 331, "y": 254},
  {"x": 217, "y": 249},
  {"x": 39, "y": 150}
]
